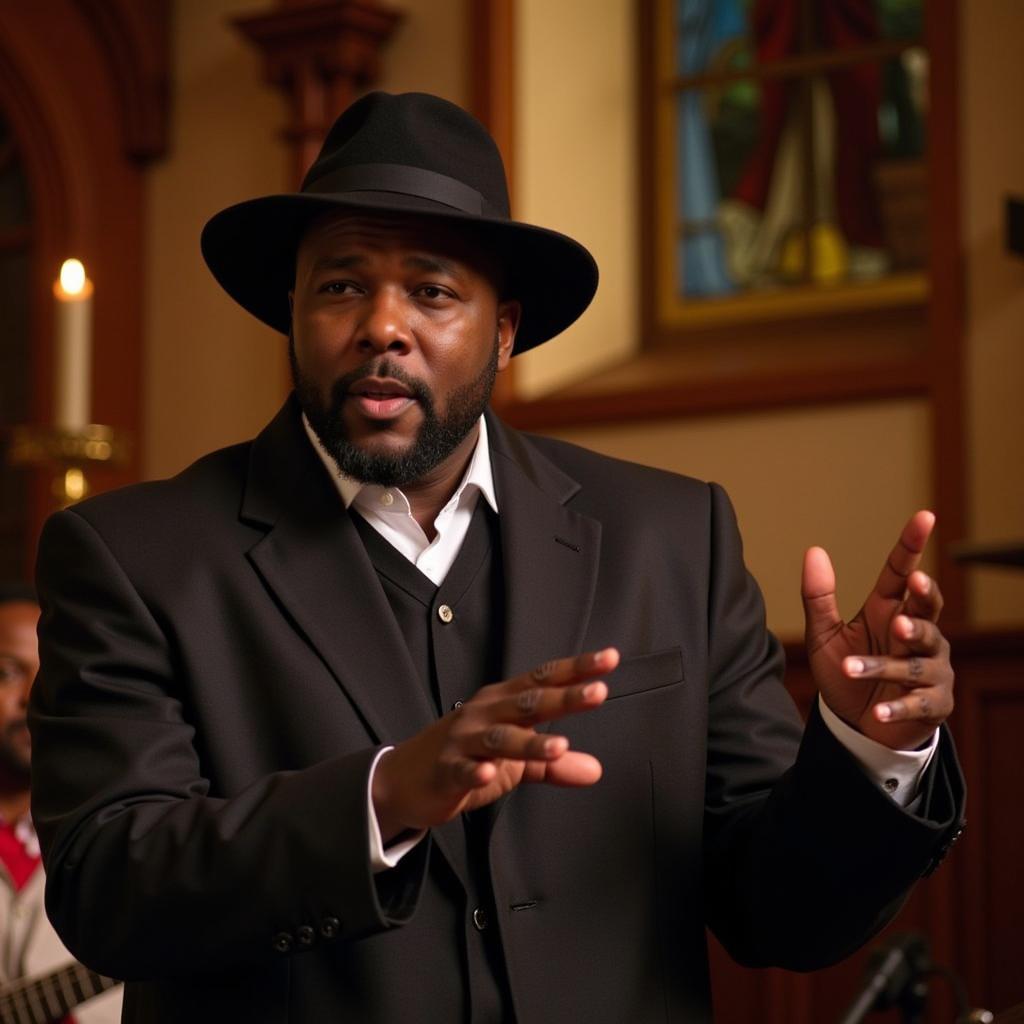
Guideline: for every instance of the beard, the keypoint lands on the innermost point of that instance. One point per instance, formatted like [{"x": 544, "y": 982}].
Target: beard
[{"x": 437, "y": 438}]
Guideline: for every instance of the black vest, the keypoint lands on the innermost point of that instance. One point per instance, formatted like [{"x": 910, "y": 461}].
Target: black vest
[{"x": 455, "y": 638}]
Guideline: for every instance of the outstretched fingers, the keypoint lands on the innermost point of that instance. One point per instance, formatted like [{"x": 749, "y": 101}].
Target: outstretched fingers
[
  {"x": 924, "y": 674},
  {"x": 498, "y": 724},
  {"x": 488, "y": 745},
  {"x": 818, "y": 590},
  {"x": 566, "y": 671},
  {"x": 924, "y": 599},
  {"x": 905, "y": 557}
]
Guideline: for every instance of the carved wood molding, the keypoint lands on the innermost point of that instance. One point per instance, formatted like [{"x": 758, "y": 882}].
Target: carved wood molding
[
  {"x": 136, "y": 42},
  {"x": 319, "y": 53}
]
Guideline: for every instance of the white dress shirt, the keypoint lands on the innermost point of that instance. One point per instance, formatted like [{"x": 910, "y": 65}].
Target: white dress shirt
[{"x": 387, "y": 510}]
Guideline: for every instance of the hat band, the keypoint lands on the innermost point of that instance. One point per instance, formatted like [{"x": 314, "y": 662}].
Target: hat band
[{"x": 407, "y": 181}]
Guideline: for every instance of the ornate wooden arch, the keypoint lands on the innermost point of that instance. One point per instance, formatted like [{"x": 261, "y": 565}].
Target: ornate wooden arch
[{"x": 83, "y": 88}]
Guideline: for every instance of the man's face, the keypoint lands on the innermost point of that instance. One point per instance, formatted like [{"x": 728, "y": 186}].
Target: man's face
[
  {"x": 397, "y": 334},
  {"x": 19, "y": 664}
]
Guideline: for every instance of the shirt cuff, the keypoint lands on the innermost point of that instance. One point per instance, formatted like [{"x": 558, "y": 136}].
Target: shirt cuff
[
  {"x": 896, "y": 772},
  {"x": 380, "y": 858}
]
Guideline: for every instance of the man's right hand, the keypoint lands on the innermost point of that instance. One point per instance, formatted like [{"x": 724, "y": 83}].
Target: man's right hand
[{"x": 481, "y": 751}]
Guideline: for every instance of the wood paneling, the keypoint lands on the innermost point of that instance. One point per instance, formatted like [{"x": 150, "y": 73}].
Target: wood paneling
[
  {"x": 990, "y": 718},
  {"x": 971, "y": 908},
  {"x": 492, "y": 85}
]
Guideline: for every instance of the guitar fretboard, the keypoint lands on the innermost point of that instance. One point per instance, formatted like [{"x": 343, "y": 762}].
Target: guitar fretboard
[{"x": 48, "y": 998}]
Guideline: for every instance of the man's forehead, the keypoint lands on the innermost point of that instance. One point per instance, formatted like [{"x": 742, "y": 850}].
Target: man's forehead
[{"x": 344, "y": 232}]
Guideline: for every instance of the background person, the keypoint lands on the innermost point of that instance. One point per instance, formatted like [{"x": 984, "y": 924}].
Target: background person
[{"x": 30, "y": 950}]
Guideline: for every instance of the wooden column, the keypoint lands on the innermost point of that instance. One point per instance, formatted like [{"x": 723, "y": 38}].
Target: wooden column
[
  {"x": 320, "y": 53},
  {"x": 491, "y": 28}
]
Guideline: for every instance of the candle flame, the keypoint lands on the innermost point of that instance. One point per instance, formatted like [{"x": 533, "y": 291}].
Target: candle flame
[
  {"x": 72, "y": 277},
  {"x": 74, "y": 483}
]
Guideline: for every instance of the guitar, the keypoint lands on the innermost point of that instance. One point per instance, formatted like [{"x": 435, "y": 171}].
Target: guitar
[{"x": 47, "y": 998}]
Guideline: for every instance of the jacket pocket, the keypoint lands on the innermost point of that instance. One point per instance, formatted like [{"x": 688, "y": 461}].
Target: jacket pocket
[{"x": 646, "y": 672}]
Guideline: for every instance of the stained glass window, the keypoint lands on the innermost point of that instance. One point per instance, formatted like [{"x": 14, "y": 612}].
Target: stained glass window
[{"x": 788, "y": 154}]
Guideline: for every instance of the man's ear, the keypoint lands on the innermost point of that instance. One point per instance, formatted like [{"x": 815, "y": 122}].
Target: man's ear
[{"x": 508, "y": 323}]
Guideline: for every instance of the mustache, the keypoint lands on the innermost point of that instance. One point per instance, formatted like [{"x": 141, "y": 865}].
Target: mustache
[{"x": 382, "y": 368}]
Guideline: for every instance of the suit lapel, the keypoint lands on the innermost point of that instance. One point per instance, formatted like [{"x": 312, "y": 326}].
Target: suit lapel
[
  {"x": 550, "y": 555},
  {"x": 314, "y": 562}
]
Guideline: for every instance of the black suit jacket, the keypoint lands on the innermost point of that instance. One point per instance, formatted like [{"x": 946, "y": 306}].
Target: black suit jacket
[{"x": 220, "y": 665}]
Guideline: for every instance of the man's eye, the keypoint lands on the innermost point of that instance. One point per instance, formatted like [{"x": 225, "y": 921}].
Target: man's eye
[
  {"x": 432, "y": 291},
  {"x": 337, "y": 287}
]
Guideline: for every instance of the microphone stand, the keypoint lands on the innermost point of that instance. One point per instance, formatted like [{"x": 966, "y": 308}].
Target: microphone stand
[{"x": 896, "y": 976}]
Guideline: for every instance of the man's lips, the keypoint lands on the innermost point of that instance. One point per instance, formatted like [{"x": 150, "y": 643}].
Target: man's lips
[{"x": 381, "y": 398}]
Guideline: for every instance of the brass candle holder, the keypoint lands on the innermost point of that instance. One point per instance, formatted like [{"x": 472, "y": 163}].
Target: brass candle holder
[{"x": 69, "y": 453}]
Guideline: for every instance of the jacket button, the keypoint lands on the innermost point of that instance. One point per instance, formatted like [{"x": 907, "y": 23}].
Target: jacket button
[
  {"x": 445, "y": 614},
  {"x": 458, "y": 704},
  {"x": 283, "y": 942},
  {"x": 329, "y": 927},
  {"x": 479, "y": 919},
  {"x": 305, "y": 935}
]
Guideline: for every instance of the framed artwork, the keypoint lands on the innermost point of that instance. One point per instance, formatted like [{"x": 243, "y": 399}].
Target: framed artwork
[{"x": 786, "y": 158}]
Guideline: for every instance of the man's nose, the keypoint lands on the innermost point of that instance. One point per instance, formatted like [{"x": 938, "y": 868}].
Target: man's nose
[{"x": 385, "y": 325}]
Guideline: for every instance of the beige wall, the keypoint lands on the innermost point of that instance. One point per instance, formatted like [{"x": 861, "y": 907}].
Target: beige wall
[
  {"x": 576, "y": 168},
  {"x": 214, "y": 375},
  {"x": 845, "y": 478},
  {"x": 993, "y": 168}
]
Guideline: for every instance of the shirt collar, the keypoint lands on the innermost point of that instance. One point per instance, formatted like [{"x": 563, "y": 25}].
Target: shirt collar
[{"x": 478, "y": 473}]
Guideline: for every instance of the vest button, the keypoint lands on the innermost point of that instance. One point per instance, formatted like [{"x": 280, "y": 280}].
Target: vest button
[
  {"x": 305, "y": 935},
  {"x": 329, "y": 927},
  {"x": 282, "y": 942},
  {"x": 458, "y": 704},
  {"x": 479, "y": 919},
  {"x": 445, "y": 614}
]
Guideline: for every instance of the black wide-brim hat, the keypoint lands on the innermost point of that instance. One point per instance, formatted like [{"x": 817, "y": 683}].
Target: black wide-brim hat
[{"x": 416, "y": 154}]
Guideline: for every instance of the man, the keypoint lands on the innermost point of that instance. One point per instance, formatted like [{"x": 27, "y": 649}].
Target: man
[
  {"x": 39, "y": 980},
  {"x": 284, "y": 780}
]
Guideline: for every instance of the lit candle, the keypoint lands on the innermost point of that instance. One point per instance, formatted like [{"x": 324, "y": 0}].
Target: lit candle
[{"x": 74, "y": 346}]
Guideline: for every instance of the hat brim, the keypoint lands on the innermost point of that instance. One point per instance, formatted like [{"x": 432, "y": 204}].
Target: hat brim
[{"x": 251, "y": 247}]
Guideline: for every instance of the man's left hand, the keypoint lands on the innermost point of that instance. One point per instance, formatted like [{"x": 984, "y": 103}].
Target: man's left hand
[{"x": 887, "y": 671}]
